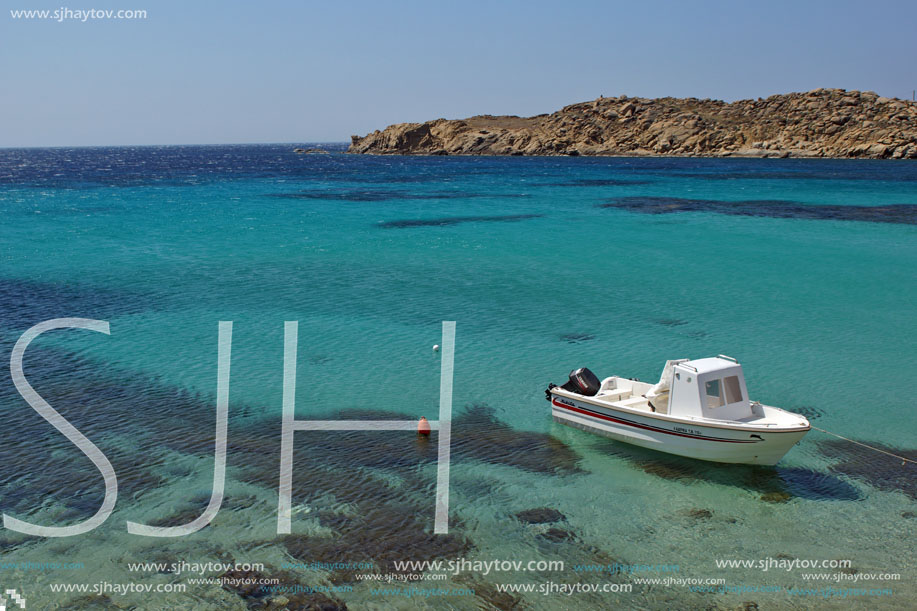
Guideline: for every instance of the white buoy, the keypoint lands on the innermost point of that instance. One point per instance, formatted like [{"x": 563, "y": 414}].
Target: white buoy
[{"x": 435, "y": 347}]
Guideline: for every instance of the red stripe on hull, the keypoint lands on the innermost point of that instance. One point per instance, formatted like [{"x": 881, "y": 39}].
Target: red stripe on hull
[{"x": 643, "y": 426}]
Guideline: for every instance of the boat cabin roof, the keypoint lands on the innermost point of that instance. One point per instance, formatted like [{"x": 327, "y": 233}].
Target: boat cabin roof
[{"x": 708, "y": 365}]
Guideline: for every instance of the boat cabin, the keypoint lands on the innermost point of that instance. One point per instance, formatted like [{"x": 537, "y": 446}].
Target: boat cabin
[{"x": 709, "y": 388}]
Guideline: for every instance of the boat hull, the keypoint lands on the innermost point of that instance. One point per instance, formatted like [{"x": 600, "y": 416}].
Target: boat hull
[{"x": 693, "y": 440}]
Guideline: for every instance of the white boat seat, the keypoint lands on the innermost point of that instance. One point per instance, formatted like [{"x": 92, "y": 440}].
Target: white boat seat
[
  {"x": 632, "y": 401},
  {"x": 613, "y": 393}
]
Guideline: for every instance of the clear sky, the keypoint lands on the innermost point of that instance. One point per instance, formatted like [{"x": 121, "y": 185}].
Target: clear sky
[{"x": 306, "y": 71}]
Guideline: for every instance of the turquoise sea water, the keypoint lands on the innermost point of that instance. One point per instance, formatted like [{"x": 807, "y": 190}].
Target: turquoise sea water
[{"x": 802, "y": 269}]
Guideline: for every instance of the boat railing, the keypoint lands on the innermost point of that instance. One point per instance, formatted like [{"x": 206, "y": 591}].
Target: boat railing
[{"x": 723, "y": 356}]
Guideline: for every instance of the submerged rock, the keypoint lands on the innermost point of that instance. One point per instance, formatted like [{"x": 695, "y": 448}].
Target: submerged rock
[
  {"x": 92, "y": 602},
  {"x": 248, "y": 585},
  {"x": 478, "y": 434},
  {"x": 384, "y": 534},
  {"x": 894, "y": 213},
  {"x": 183, "y": 517},
  {"x": 576, "y": 338},
  {"x": 245, "y": 584},
  {"x": 810, "y": 412},
  {"x": 598, "y": 182},
  {"x": 541, "y": 515},
  {"x": 666, "y": 471},
  {"x": 879, "y": 470},
  {"x": 489, "y": 593},
  {"x": 776, "y": 497},
  {"x": 557, "y": 535},
  {"x": 446, "y": 221}
]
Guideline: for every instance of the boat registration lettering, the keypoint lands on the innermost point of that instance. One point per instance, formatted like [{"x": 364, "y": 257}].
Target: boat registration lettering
[{"x": 679, "y": 429}]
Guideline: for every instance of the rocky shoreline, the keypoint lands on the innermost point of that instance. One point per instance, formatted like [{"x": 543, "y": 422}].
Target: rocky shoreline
[{"x": 831, "y": 123}]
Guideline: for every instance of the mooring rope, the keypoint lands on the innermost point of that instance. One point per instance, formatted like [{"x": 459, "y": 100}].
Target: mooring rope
[{"x": 865, "y": 446}]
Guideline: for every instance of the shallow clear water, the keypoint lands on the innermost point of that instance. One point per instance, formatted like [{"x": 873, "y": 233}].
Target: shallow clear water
[{"x": 546, "y": 264}]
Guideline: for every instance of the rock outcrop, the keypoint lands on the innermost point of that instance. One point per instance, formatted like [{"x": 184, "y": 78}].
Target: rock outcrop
[{"x": 820, "y": 123}]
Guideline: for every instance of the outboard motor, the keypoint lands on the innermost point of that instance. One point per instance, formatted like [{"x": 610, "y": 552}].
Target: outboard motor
[{"x": 582, "y": 382}]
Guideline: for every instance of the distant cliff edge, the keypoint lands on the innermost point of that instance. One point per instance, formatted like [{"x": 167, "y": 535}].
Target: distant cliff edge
[{"x": 820, "y": 123}]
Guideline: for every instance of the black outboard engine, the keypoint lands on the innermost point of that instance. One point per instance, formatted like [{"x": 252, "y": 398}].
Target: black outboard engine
[{"x": 582, "y": 382}]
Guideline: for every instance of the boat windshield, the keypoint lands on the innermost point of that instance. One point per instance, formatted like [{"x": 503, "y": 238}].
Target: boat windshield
[
  {"x": 733, "y": 389},
  {"x": 714, "y": 393},
  {"x": 722, "y": 392}
]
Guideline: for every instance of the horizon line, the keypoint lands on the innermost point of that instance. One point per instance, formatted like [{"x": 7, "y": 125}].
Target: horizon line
[{"x": 91, "y": 146}]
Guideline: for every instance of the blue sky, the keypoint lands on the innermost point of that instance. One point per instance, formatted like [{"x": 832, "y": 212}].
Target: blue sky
[{"x": 220, "y": 72}]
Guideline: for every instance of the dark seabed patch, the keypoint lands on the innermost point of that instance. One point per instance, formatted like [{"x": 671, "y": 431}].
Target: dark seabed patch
[
  {"x": 455, "y": 220},
  {"x": 798, "y": 482},
  {"x": 389, "y": 179},
  {"x": 598, "y": 182},
  {"x": 185, "y": 516},
  {"x": 670, "y": 322},
  {"x": 384, "y": 450},
  {"x": 668, "y": 470},
  {"x": 880, "y": 471},
  {"x": 247, "y": 586},
  {"x": 381, "y": 195},
  {"x": 489, "y": 593},
  {"x": 769, "y": 482},
  {"x": 776, "y": 497},
  {"x": 810, "y": 412},
  {"x": 103, "y": 410},
  {"x": 558, "y": 535},
  {"x": 330, "y": 471},
  {"x": 386, "y": 519},
  {"x": 749, "y": 174},
  {"x": 540, "y": 515},
  {"x": 386, "y": 534},
  {"x": 92, "y": 602},
  {"x": 576, "y": 338},
  {"x": 363, "y": 195},
  {"x": 697, "y": 513},
  {"x": 478, "y": 434},
  {"x": 24, "y": 303},
  {"x": 324, "y": 466},
  {"x": 894, "y": 213}
]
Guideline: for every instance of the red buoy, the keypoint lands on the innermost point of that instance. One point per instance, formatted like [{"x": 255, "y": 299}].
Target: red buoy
[{"x": 423, "y": 427}]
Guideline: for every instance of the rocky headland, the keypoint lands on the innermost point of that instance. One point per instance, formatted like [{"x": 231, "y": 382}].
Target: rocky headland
[{"x": 820, "y": 123}]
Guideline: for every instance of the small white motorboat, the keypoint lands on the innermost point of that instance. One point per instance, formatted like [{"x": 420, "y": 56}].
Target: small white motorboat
[{"x": 699, "y": 409}]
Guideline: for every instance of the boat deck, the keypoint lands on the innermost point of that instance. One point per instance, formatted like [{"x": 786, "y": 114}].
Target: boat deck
[{"x": 627, "y": 394}]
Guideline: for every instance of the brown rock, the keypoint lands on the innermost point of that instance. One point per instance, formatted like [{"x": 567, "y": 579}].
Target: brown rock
[{"x": 819, "y": 123}]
